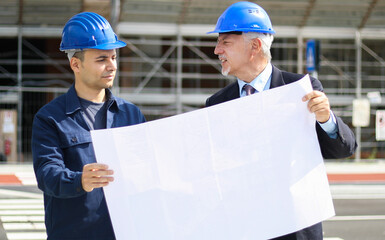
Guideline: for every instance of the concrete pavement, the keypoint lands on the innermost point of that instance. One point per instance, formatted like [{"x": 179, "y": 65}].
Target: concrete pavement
[{"x": 17, "y": 174}]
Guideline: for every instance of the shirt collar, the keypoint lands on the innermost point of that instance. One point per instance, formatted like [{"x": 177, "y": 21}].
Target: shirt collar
[
  {"x": 73, "y": 103},
  {"x": 259, "y": 83}
]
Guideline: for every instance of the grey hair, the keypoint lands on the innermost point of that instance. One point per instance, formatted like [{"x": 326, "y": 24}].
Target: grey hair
[
  {"x": 71, "y": 52},
  {"x": 266, "y": 38}
]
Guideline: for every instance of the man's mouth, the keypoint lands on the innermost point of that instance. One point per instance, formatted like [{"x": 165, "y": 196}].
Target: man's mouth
[
  {"x": 222, "y": 58},
  {"x": 108, "y": 76}
]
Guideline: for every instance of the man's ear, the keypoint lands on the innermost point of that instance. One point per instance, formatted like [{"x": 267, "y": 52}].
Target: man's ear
[
  {"x": 256, "y": 44},
  {"x": 75, "y": 64}
]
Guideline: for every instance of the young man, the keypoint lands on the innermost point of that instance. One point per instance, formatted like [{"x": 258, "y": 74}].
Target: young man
[
  {"x": 243, "y": 47},
  {"x": 63, "y": 155}
]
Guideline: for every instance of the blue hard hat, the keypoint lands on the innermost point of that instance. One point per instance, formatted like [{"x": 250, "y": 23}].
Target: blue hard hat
[
  {"x": 89, "y": 30},
  {"x": 244, "y": 17}
]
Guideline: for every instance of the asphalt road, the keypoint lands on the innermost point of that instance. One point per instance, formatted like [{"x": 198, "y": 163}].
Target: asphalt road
[
  {"x": 360, "y": 213},
  {"x": 357, "y": 219}
]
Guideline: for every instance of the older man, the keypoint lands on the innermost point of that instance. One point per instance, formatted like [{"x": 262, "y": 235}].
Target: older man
[{"x": 243, "y": 47}]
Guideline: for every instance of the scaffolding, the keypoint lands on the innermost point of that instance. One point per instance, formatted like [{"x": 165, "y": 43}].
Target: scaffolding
[{"x": 170, "y": 68}]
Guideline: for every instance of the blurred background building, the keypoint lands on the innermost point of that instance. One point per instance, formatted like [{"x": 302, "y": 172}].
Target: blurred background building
[{"x": 169, "y": 66}]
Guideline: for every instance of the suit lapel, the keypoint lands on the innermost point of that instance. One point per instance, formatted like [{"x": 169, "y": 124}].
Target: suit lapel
[
  {"x": 276, "y": 81},
  {"x": 233, "y": 92}
]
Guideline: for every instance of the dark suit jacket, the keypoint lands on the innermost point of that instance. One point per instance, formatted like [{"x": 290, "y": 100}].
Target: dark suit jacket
[{"x": 341, "y": 147}]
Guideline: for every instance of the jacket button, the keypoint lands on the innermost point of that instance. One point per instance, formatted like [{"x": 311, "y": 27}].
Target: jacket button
[{"x": 74, "y": 140}]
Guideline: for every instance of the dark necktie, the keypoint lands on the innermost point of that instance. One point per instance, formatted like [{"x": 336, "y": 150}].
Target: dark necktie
[{"x": 248, "y": 89}]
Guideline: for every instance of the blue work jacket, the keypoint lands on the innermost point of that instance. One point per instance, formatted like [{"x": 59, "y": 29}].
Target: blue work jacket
[{"x": 61, "y": 146}]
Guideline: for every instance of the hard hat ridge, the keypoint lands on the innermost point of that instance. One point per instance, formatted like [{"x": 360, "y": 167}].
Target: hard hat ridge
[
  {"x": 244, "y": 17},
  {"x": 89, "y": 30}
]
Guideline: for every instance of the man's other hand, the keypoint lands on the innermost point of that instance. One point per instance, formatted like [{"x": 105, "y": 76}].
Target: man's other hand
[{"x": 96, "y": 175}]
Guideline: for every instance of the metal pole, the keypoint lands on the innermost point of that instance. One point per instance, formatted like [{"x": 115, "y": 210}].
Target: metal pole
[
  {"x": 115, "y": 13},
  {"x": 300, "y": 52},
  {"x": 19, "y": 92},
  {"x": 358, "y": 89},
  {"x": 179, "y": 73},
  {"x": 314, "y": 74}
]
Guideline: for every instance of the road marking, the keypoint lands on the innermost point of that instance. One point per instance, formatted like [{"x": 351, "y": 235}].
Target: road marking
[
  {"x": 23, "y": 219},
  {"x": 33, "y": 206},
  {"x": 21, "y": 212},
  {"x": 356, "y": 177},
  {"x": 357, "y": 191},
  {"x": 14, "y": 193},
  {"x": 357, "y": 218},
  {"x": 21, "y": 201},
  {"x": 10, "y": 179},
  {"x": 27, "y": 236},
  {"x": 353, "y": 196},
  {"x": 37, "y": 218},
  {"x": 27, "y": 178},
  {"x": 24, "y": 226}
]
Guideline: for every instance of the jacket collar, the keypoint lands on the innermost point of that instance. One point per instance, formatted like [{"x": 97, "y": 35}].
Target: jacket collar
[
  {"x": 276, "y": 81},
  {"x": 73, "y": 104},
  {"x": 276, "y": 78}
]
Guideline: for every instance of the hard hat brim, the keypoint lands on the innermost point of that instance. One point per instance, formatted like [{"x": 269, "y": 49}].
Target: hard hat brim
[
  {"x": 110, "y": 46},
  {"x": 240, "y": 30},
  {"x": 105, "y": 46}
]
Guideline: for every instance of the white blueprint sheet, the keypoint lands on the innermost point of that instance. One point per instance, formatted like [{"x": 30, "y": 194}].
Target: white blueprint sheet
[{"x": 245, "y": 169}]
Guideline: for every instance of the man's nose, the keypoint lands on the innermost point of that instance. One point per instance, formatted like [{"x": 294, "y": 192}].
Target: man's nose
[
  {"x": 112, "y": 65},
  {"x": 217, "y": 50}
]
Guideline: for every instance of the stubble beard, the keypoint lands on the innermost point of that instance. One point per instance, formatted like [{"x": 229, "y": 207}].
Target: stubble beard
[{"x": 109, "y": 83}]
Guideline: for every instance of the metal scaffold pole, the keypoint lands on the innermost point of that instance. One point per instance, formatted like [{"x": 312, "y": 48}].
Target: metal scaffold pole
[
  {"x": 19, "y": 93},
  {"x": 179, "y": 73},
  {"x": 300, "y": 52},
  {"x": 358, "y": 89},
  {"x": 115, "y": 10}
]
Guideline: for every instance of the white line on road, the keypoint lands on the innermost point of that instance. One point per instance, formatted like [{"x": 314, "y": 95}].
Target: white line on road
[
  {"x": 23, "y": 219},
  {"x": 24, "y": 226},
  {"x": 21, "y": 194},
  {"x": 27, "y": 178},
  {"x": 21, "y": 212},
  {"x": 28, "y": 235},
  {"x": 357, "y": 196},
  {"x": 21, "y": 201},
  {"x": 38, "y": 218},
  {"x": 357, "y": 191},
  {"x": 357, "y": 218}
]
